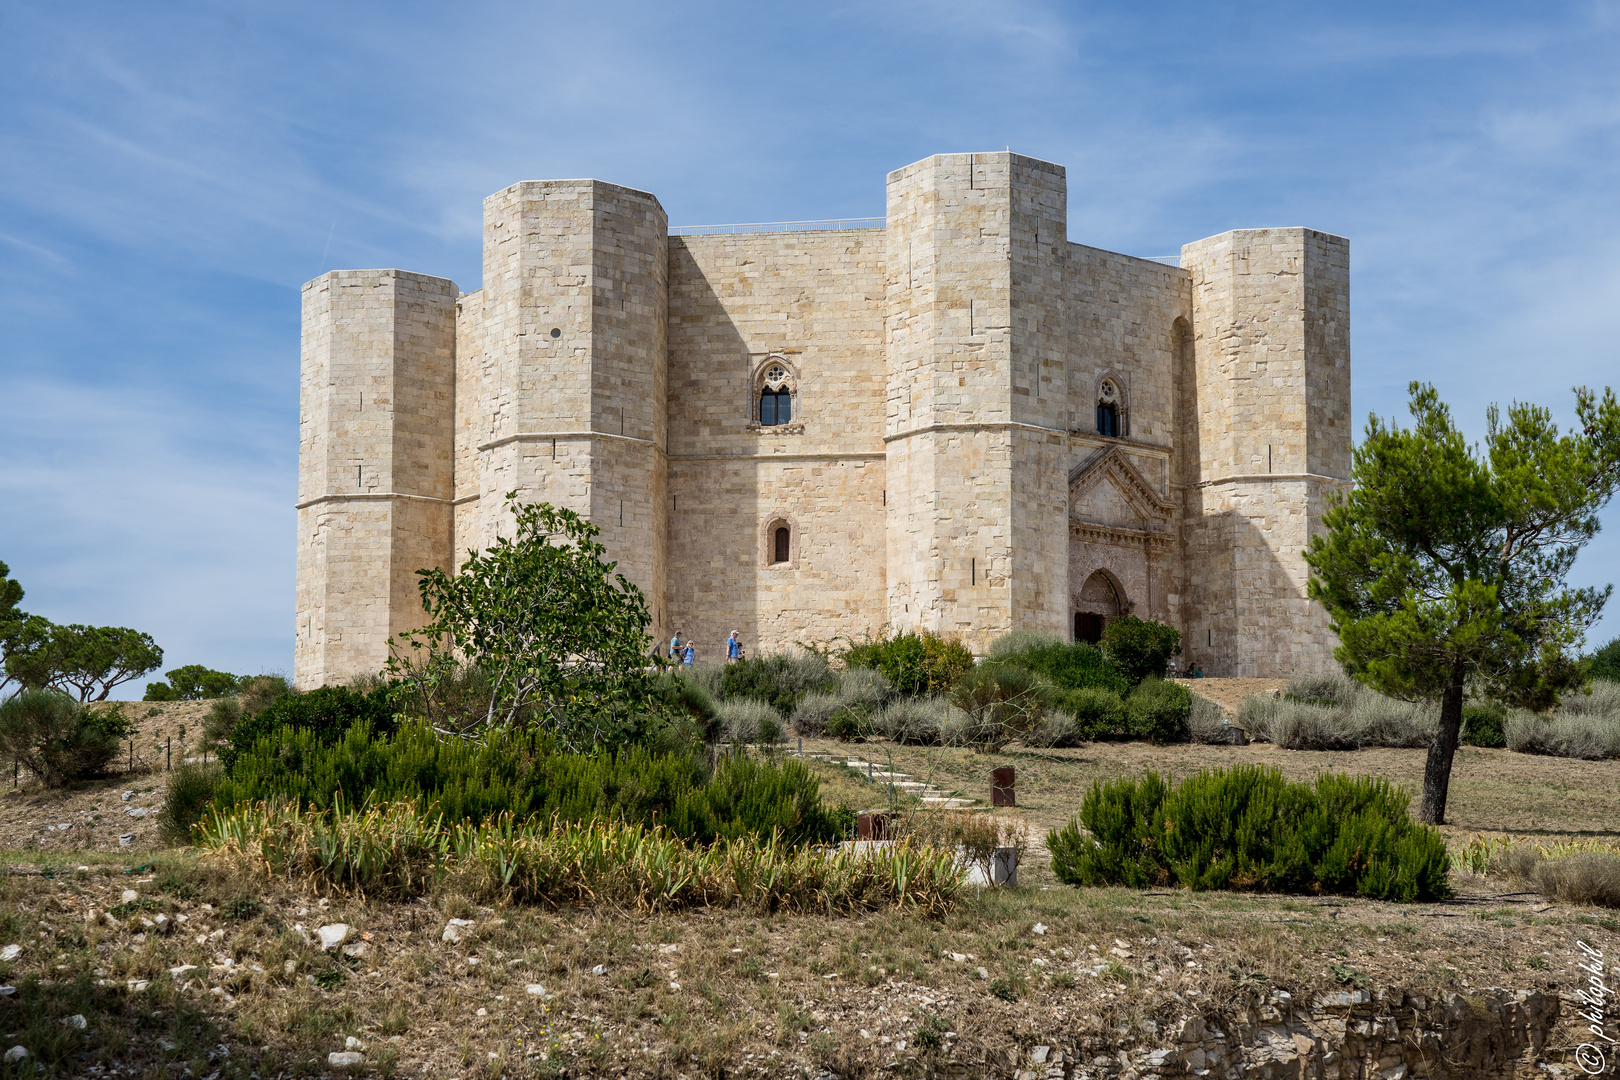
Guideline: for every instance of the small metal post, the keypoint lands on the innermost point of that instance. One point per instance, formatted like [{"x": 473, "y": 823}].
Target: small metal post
[
  {"x": 132, "y": 755},
  {"x": 801, "y": 746},
  {"x": 168, "y": 754},
  {"x": 869, "y": 772}
]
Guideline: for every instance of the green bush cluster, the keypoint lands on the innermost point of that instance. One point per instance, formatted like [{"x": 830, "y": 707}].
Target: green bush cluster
[
  {"x": 1247, "y": 828},
  {"x": 512, "y": 772},
  {"x": 1605, "y": 663},
  {"x": 57, "y": 739},
  {"x": 1156, "y": 711},
  {"x": 778, "y": 679},
  {"x": 1067, "y": 665},
  {"x": 1482, "y": 725},
  {"x": 915, "y": 664},
  {"x": 1140, "y": 648},
  {"x": 326, "y": 714}
]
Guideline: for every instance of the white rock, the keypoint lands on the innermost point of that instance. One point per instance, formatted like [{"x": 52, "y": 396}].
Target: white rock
[
  {"x": 483, "y": 1012},
  {"x": 957, "y": 957},
  {"x": 137, "y": 811},
  {"x": 333, "y": 934},
  {"x": 289, "y": 966},
  {"x": 359, "y": 950},
  {"x": 457, "y": 929},
  {"x": 77, "y": 1022},
  {"x": 162, "y": 924},
  {"x": 16, "y": 1053},
  {"x": 536, "y": 989},
  {"x": 352, "y": 1043},
  {"x": 130, "y": 894},
  {"x": 126, "y": 796},
  {"x": 180, "y": 970},
  {"x": 126, "y": 839},
  {"x": 137, "y": 986},
  {"x": 599, "y": 969},
  {"x": 983, "y": 974},
  {"x": 7, "y": 991},
  {"x": 10, "y": 953},
  {"x": 1038, "y": 928},
  {"x": 111, "y": 920},
  {"x": 345, "y": 1059}
]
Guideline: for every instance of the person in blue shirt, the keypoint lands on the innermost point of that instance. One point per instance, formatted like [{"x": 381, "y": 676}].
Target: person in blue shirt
[
  {"x": 688, "y": 655},
  {"x": 675, "y": 646},
  {"x": 733, "y": 647}
]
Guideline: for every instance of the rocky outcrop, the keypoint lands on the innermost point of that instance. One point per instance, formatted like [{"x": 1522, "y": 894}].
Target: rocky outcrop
[{"x": 1352, "y": 1035}]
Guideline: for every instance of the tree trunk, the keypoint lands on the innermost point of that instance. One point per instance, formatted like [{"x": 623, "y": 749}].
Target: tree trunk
[{"x": 1437, "y": 773}]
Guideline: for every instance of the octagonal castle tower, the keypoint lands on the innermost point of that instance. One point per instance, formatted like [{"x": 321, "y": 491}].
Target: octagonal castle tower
[{"x": 955, "y": 420}]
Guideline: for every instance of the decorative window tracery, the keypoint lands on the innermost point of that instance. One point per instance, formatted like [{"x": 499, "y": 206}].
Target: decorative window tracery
[
  {"x": 1113, "y": 412},
  {"x": 774, "y": 403}
]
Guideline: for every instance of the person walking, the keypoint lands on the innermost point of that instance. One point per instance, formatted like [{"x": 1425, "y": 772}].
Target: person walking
[
  {"x": 675, "y": 646},
  {"x": 733, "y": 648},
  {"x": 688, "y": 655}
]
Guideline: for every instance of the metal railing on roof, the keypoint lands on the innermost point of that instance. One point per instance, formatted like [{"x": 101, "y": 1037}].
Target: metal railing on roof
[
  {"x": 1168, "y": 260},
  {"x": 779, "y": 226}
]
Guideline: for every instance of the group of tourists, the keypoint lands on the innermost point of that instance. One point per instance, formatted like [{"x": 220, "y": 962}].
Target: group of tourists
[{"x": 682, "y": 652}]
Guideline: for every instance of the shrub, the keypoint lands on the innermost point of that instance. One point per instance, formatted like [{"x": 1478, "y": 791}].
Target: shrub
[
  {"x": 1482, "y": 725},
  {"x": 1017, "y": 642},
  {"x": 1054, "y": 728},
  {"x": 189, "y": 794},
  {"x": 915, "y": 664},
  {"x": 1247, "y": 828},
  {"x": 1562, "y": 735},
  {"x": 57, "y": 739},
  {"x": 1334, "y": 689},
  {"x": 1580, "y": 877},
  {"x": 750, "y": 797},
  {"x": 1066, "y": 665},
  {"x": 517, "y": 773},
  {"x": 1157, "y": 711},
  {"x": 1205, "y": 721},
  {"x": 1099, "y": 713},
  {"x": 260, "y": 691},
  {"x": 745, "y": 720},
  {"x": 402, "y": 850},
  {"x": 1360, "y": 718},
  {"x": 864, "y": 686},
  {"x": 326, "y": 713},
  {"x": 999, "y": 702},
  {"x": 691, "y": 697},
  {"x": 913, "y": 721},
  {"x": 850, "y": 723},
  {"x": 1140, "y": 648},
  {"x": 779, "y": 679},
  {"x": 223, "y": 716},
  {"x": 813, "y": 712}
]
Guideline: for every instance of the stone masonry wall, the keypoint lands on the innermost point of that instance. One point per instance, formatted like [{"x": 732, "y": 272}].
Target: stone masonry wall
[
  {"x": 1267, "y": 393},
  {"x": 813, "y": 300},
  {"x": 375, "y": 471}
]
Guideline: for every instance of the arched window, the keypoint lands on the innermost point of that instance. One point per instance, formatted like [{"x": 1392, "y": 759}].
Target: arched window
[
  {"x": 775, "y": 407},
  {"x": 1110, "y": 408},
  {"x": 775, "y": 392},
  {"x": 781, "y": 544}
]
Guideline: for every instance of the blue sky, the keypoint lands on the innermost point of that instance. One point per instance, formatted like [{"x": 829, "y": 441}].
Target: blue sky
[{"x": 170, "y": 174}]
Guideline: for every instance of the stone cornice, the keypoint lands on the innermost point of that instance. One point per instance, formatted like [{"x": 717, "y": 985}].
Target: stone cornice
[
  {"x": 1109, "y": 534},
  {"x": 366, "y": 496}
]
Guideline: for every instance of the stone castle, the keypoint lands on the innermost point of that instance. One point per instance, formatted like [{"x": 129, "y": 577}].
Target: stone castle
[{"x": 958, "y": 421}]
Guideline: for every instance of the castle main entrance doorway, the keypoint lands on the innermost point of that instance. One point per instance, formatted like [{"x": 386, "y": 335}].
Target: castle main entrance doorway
[{"x": 1099, "y": 601}]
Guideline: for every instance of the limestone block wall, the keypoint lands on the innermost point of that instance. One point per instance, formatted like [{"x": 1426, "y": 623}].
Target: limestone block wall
[
  {"x": 813, "y": 302},
  {"x": 564, "y": 398},
  {"x": 1266, "y": 396},
  {"x": 375, "y": 462},
  {"x": 1124, "y": 324}
]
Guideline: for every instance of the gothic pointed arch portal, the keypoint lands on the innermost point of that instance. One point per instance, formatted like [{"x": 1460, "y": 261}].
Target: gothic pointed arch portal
[{"x": 1100, "y": 599}]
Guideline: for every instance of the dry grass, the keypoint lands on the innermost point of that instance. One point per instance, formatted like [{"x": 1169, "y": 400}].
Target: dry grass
[{"x": 753, "y": 993}]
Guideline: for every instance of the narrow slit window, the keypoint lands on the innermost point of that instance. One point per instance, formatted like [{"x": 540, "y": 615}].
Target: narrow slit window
[{"x": 781, "y": 542}]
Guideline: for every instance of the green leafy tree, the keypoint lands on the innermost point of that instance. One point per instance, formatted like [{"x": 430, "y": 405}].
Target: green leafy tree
[
  {"x": 1605, "y": 663},
  {"x": 12, "y": 619},
  {"x": 193, "y": 682},
  {"x": 1445, "y": 567},
  {"x": 84, "y": 660},
  {"x": 559, "y": 636}
]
